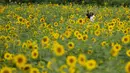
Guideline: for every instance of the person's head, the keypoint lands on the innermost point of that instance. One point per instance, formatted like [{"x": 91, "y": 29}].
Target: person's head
[{"x": 89, "y": 14}]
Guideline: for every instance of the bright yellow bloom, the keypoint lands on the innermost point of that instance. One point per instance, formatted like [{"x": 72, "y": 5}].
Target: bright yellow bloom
[
  {"x": 34, "y": 54},
  {"x": 34, "y": 70},
  {"x": 56, "y": 35},
  {"x": 82, "y": 59},
  {"x": 125, "y": 39},
  {"x": 27, "y": 67},
  {"x": 117, "y": 47},
  {"x": 128, "y": 53},
  {"x": 127, "y": 67},
  {"x": 97, "y": 32},
  {"x": 45, "y": 40},
  {"x": 91, "y": 64},
  {"x": 6, "y": 70},
  {"x": 20, "y": 60},
  {"x": 71, "y": 60},
  {"x": 114, "y": 52},
  {"x": 8, "y": 56},
  {"x": 103, "y": 43},
  {"x": 49, "y": 65},
  {"x": 80, "y": 21},
  {"x": 70, "y": 45},
  {"x": 58, "y": 49},
  {"x": 85, "y": 37}
]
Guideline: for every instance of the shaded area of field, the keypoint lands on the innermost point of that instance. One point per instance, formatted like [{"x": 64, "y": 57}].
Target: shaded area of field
[{"x": 92, "y": 2}]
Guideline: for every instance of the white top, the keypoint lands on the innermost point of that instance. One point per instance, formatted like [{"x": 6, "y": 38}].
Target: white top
[{"x": 92, "y": 18}]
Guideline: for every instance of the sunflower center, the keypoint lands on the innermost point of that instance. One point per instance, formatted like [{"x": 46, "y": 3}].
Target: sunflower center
[
  {"x": 7, "y": 56},
  {"x": 20, "y": 60},
  {"x": 34, "y": 71},
  {"x": 84, "y": 38},
  {"x": 44, "y": 39},
  {"x": 58, "y": 49},
  {"x": 129, "y": 52},
  {"x": 30, "y": 47},
  {"x": 80, "y": 21},
  {"x": 82, "y": 59},
  {"x": 35, "y": 54},
  {"x": 90, "y": 64},
  {"x": 26, "y": 68},
  {"x": 125, "y": 39},
  {"x": 70, "y": 45},
  {"x": 117, "y": 47},
  {"x": 6, "y": 71},
  {"x": 71, "y": 60},
  {"x": 129, "y": 68}
]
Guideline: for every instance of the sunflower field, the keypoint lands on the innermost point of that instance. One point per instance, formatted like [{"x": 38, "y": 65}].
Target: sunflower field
[{"x": 53, "y": 38}]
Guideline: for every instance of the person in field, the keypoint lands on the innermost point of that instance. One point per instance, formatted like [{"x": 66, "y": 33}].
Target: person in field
[{"x": 91, "y": 16}]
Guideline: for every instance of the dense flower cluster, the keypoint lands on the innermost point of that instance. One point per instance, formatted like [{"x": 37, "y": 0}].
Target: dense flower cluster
[{"x": 52, "y": 38}]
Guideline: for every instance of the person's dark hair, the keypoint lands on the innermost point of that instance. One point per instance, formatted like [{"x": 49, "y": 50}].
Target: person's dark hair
[{"x": 89, "y": 14}]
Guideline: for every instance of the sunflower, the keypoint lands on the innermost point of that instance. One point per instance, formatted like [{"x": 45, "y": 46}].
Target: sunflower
[
  {"x": 114, "y": 52},
  {"x": 20, "y": 19},
  {"x": 112, "y": 44},
  {"x": 79, "y": 36},
  {"x": 103, "y": 43},
  {"x": 127, "y": 67},
  {"x": 6, "y": 45},
  {"x": 125, "y": 39},
  {"x": 70, "y": 45},
  {"x": 82, "y": 59},
  {"x": 85, "y": 37},
  {"x": 34, "y": 54},
  {"x": 97, "y": 32},
  {"x": 67, "y": 34},
  {"x": 110, "y": 28},
  {"x": 62, "y": 67},
  {"x": 72, "y": 21},
  {"x": 8, "y": 56},
  {"x": 71, "y": 60},
  {"x": 31, "y": 16},
  {"x": 44, "y": 25},
  {"x": 125, "y": 31},
  {"x": 27, "y": 67},
  {"x": 80, "y": 21},
  {"x": 8, "y": 38},
  {"x": 7, "y": 27},
  {"x": 49, "y": 65},
  {"x": 94, "y": 40},
  {"x": 45, "y": 40},
  {"x": 89, "y": 51},
  {"x": 55, "y": 24},
  {"x": 96, "y": 26},
  {"x": 34, "y": 70},
  {"x": 72, "y": 69},
  {"x": 42, "y": 19},
  {"x": 58, "y": 49},
  {"x": 128, "y": 53},
  {"x": 76, "y": 33},
  {"x": 24, "y": 45},
  {"x": 91, "y": 64},
  {"x": 6, "y": 70},
  {"x": 20, "y": 60},
  {"x": 56, "y": 35},
  {"x": 117, "y": 47}
]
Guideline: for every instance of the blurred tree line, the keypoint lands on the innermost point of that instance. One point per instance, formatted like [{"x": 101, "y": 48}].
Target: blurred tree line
[{"x": 98, "y": 2}]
